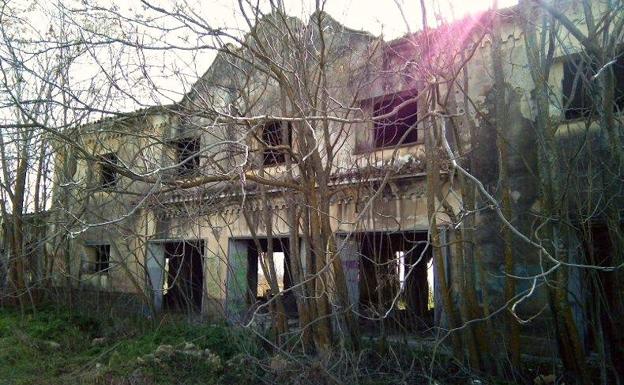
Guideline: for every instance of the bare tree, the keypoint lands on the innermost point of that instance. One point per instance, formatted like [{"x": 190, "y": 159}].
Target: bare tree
[{"x": 284, "y": 162}]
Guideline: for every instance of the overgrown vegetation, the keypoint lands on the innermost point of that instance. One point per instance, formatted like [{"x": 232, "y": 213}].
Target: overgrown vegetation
[
  {"x": 319, "y": 171},
  {"x": 55, "y": 346},
  {"x": 60, "y": 347}
]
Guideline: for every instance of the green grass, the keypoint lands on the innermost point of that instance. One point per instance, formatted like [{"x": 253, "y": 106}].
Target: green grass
[
  {"x": 52, "y": 347},
  {"x": 55, "y": 347}
]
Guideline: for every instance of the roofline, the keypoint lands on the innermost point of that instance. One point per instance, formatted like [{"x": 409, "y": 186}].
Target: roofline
[
  {"x": 507, "y": 11},
  {"x": 143, "y": 112}
]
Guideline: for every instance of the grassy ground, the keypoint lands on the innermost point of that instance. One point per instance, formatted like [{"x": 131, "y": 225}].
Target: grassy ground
[
  {"x": 56, "y": 347},
  {"x": 52, "y": 347}
]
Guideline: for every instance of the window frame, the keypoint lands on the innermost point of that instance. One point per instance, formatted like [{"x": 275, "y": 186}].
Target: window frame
[
  {"x": 385, "y": 105},
  {"x": 101, "y": 262},
  {"x": 370, "y": 141},
  {"x": 188, "y": 162},
  {"x": 579, "y": 105},
  {"x": 574, "y": 94},
  {"x": 272, "y": 157},
  {"x": 108, "y": 176}
]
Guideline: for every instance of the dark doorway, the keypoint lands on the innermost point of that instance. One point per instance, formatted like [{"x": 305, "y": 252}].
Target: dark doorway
[
  {"x": 184, "y": 276},
  {"x": 259, "y": 288},
  {"x": 396, "y": 276},
  {"x": 603, "y": 302}
]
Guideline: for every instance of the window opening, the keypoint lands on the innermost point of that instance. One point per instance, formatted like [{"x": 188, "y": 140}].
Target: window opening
[
  {"x": 579, "y": 90},
  {"x": 272, "y": 136},
  {"x": 108, "y": 170},
  {"x": 187, "y": 157},
  {"x": 97, "y": 259},
  {"x": 389, "y": 131}
]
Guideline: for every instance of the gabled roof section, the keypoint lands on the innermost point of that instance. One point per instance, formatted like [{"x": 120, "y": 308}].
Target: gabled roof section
[
  {"x": 126, "y": 117},
  {"x": 457, "y": 33},
  {"x": 273, "y": 29}
]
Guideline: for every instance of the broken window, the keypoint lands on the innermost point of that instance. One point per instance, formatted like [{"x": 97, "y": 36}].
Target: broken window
[
  {"x": 108, "y": 170},
  {"x": 102, "y": 258},
  {"x": 579, "y": 86},
  {"x": 577, "y": 99},
  {"x": 187, "y": 155},
  {"x": 398, "y": 127},
  {"x": 273, "y": 135},
  {"x": 97, "y": 259}
]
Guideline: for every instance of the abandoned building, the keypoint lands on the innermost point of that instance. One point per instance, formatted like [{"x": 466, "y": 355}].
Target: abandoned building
[{"x": 201, "y": 245}]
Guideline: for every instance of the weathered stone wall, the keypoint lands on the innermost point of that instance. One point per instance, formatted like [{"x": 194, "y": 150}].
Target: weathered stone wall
[{"x": 215, "y": 215}]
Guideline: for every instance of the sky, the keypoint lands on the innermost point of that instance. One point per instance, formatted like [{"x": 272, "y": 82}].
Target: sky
[
  {"x": 118, "y": 70},
  {"x": 390, "y": 18},
  {"x": 383, "y": 16},
  {"x": 172, "y": 72}
]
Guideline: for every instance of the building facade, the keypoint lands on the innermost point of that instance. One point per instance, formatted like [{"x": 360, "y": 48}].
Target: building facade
[{"x": 210, "y": 205}]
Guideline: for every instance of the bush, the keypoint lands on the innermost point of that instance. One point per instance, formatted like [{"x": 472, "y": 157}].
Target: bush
[{"x": 55, "y": 347}]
